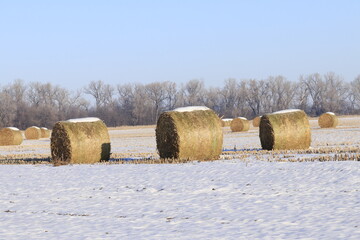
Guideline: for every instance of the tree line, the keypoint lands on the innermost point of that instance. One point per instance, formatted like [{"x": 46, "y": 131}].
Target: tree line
[{"x": 42, "y": 104}]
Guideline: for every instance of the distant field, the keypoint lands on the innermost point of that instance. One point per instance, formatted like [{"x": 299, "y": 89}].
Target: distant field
[{"x": 138, "y": 142}]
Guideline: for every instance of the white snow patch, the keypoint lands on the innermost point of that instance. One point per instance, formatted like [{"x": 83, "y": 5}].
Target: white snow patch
[
  {"x": 242, "y": 118},
  {"x": 35, "y": 127},
  {"x": 227, "y": 119},
  {"x": 212, "y": 200},
  {"x": 191, "y": 109},
  {"x": 331, "y": 113},
  {"x": 13, "y": 128},
  {"x": 44, "y": 128},
  {"x": 89, "y": 119},
  {"x": 286, "y": 111}
]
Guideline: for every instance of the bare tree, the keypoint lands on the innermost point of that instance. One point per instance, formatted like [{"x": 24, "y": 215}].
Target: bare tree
[
  {"x": 316, "y": 88},
  {"x": 282, "y": 93},
  {"x": 7, "y": 110},
  {"x": 193, "y": 92},
  {"x": 156, "y": 93},
  {"x": 102, "y": 93},
  {"x": 229, "y": 95}
]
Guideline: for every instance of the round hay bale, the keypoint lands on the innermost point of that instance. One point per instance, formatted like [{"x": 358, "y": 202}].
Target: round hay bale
[
  {"x": 189, "y": 133},
  {"x": 45, "y": 133},
  {"x": 328, "y": 120},
  {"x": 283, "y": 130},
  {"x": 82, "y": 140},
  {"x": 256, "y": 121},
  {"x": 225, "y": 122},
  {"x": 10, "y": 136},
  {"x": 239, "y": 124},
  {"x": 33, "y": 133}
]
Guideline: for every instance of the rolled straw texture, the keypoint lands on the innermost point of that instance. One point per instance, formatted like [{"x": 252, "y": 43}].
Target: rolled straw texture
[
  {"x": 256, "y": 121},
  {"x": 239, "y": 125},
  {"x": 79, "y": 142},
  {"x": 33, "y": 133},
  {"x": 284, "y": 130},
  {"x": 189, "y": 135},
  {"x": 328, "y": 120},
  {"x": 10, "y": 136},
  {"x": 45, "y": 133}
]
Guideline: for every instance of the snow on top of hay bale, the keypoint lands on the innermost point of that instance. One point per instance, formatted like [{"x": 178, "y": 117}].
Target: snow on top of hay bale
[
  {"x": 227, "y": 119},
  {"x": 243, "y": 118},
  {"x": 88, "y": 119},
  {"x": 191, "y": 109},
  {"x": 286, "y": 111},
  {"x": 330, "y": 113},
  {"x": 13, "y": 128}
]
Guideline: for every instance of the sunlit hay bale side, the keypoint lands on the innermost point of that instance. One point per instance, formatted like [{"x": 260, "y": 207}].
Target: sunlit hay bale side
[
  {"x": 82, "y": 140},
  {"x": 328, "y": 120},
  {"x": 239, "y": 124},
  {"x": 10, "y": 136},
  {"x": 283, "y": 130},
  {"x": 189, "y": 133},
  {"x": 45, "y": 133},
  {"x": 256, "y": 121},
  {"x": 33, "y": 133},
  {"x": 225, "y": 122}
]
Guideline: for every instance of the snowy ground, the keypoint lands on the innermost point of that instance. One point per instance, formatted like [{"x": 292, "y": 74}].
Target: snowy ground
[{"x": 239, "y": 198}]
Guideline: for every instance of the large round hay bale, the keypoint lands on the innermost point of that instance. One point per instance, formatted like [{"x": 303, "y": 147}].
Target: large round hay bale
[
  {"x": 287, "y": 129},
  {"x": 33, "y": 133},
  {"x": 256, "y": 121},
  {"x": 328, "y": 120},
  {"x": 225, "y": 122},
  {"x": 45, "y": 133},
  {"x": 83, "y": 140},
  {"x": 189, "y": 133},
  {"x": 10, "y": 136},
  {"x": 239, "y": 124}
]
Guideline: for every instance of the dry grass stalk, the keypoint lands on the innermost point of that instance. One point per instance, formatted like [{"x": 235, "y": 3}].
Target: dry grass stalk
[
  {"x": 256, "y": 121},
  {"x": 10, "y": 136},
  {"x": 240, "y": 124},
  {"x": 283, "y": 130},
  {"x": 328, "y": 120},
  {"x": 33, "y": 133},
  {"x": 189, "y": 134},
  {"x": 45, "y": 133},
  {"x": 80, "y": 141}
]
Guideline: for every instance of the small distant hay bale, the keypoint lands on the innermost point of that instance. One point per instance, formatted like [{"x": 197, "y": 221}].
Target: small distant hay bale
[
  {"x": 10, "y": 136},
  {"x": 189, "y": 133},
  {"x": 83, "y": 140},
  {"x": 328, "y": 120},
  {"x": 239, "y": 124},
  {"x": 284, "y": 130},
  {"x": 33, "y": 133},
  {"x": 45, "y": 133},
  {"x": 256, "y": 121},
  {"x": 225, "y": 122}
]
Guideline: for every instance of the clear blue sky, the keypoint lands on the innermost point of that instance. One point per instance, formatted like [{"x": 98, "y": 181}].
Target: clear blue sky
[{"x": 71, "y": 42}]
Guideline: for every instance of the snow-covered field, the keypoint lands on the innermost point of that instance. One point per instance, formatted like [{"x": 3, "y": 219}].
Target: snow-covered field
[{"x": 243, "y": 197}]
